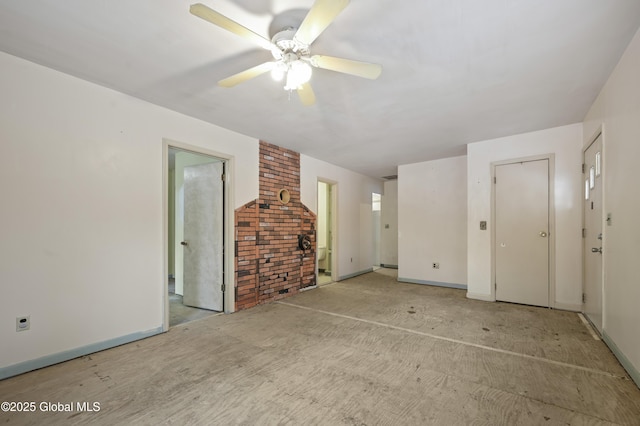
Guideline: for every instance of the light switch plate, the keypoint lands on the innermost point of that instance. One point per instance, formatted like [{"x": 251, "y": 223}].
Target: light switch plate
[{"x": 23, "y": 323}]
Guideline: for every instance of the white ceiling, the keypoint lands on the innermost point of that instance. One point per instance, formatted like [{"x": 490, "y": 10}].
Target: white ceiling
[{"x": 454, "y": 71}]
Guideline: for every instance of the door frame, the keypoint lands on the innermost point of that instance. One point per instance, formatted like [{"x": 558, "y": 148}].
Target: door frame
[
  {"x": 552, "y": 223},
  {"x": 376, "y": 242},
  {"x": 228, "y": 224},
  {"x": 599, "y": 132},
  {"x": 333, "y": 206}
]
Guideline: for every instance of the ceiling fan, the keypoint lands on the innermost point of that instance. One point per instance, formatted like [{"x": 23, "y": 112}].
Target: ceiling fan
[{"x": 290, "y": 49}]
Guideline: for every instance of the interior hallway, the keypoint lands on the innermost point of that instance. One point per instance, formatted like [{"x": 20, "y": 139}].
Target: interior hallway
[{"x": 367, "y": 350}]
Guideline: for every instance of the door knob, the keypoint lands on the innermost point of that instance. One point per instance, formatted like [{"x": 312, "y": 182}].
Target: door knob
[
  {"x": 596, "y": 250},
  {"x": 543, "y": 234},
  {"x": 184, "y": 243}
]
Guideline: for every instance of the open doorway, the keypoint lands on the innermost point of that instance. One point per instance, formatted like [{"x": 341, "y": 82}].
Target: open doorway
[
  {"x": 325, "y": 272},
  {"x": 196, "y": 235}
]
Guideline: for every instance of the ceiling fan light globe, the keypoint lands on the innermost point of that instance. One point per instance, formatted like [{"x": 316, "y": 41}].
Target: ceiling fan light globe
[
  {"x": 277, "y": 75},
  {"x": 299, "y": 73},
  {"x": 278, "y": 71},
  {"x": 290, "y": 83}
]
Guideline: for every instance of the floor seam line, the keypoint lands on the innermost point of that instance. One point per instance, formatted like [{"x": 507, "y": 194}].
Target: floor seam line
[{"x": 460, "y": 342}]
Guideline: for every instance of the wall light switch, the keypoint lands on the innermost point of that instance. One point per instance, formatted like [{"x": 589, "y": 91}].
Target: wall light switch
[{"x": 483, "y": 225}]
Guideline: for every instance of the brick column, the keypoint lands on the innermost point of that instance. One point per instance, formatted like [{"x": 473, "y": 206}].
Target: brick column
[{"x": 269, "y": 263}]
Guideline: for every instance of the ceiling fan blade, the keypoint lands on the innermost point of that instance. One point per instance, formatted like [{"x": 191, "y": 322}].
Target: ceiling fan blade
[
  {"x": 307, "y": 97},
  {"x": 210, "y": 15},
  {"x": 347, "y": 66},
  {"x": 246, "y": 74},
  {"x": 322, "y": 13}
]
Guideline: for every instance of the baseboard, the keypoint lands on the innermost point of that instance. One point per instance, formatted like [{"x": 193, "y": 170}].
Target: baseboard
[
  {"x": 434, "y": 283},
  {"x": 386, "y": 265},
  {"x": 355, "y": 274},
  {"x": 568, "y": 307},
  {"x": 46, "y": 361},
  {"x": 631, "y": 369},
  {"x": 479, "y": 296}
]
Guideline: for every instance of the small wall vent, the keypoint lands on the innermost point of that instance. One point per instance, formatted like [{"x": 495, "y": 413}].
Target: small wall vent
[{"x": 390, "y": 177}]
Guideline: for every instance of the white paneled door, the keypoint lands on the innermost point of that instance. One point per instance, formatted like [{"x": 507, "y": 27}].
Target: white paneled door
[
  {"x": 593, "y": 233},
  {"x": 522, "y": 232},
  {"x": 203, "y": 236}
]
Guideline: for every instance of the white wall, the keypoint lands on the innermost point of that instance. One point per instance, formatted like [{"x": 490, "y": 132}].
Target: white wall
[
  {"x": 617, "y": 110},
  {"x": 81, "y": 177},
  {"x": 389, "y": 224},
  {"x": 377, "y": 227},
  {"x": 432, "y": 219},
  {"x": 354, "y": 249},
  {"x": 566, "y": 144}
]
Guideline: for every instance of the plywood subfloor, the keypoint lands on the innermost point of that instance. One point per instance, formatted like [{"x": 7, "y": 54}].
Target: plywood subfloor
[
  {"x": 367, "y": 351},
  {"x": 180, "y": 313}
]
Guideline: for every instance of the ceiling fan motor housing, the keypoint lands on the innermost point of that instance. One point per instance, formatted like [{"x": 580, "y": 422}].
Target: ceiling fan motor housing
[
  {"x": 287, "y": 45},
  {"x": 292, "y": 59}
]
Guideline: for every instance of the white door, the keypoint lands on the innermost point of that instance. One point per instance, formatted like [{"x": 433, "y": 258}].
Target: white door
[
  {"x": 203, "y": 236},
  {"x": 522, "y": 232},
  {"x": 593, "y": 284}
]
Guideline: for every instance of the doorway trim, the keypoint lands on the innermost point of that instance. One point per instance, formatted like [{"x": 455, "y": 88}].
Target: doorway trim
[
  {"x": 552, "y": 222},
  {"x": 229, "y": 221},
  {"x": 334, "y": 226}
]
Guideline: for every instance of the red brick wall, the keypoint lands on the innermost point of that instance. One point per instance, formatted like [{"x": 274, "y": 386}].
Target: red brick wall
[{"x": 269, "y": 264}]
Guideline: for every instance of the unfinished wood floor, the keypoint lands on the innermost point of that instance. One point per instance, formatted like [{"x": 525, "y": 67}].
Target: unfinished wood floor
[{"x": 367, "y": 351}]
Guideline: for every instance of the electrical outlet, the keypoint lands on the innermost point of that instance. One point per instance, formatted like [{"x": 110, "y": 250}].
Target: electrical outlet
[
  {"x": 23, "y": 323},
  {"x": 436, "y": 265}
]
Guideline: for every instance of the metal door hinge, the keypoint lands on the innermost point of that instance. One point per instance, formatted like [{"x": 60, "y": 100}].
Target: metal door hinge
[
  {"x": 584, "y": 232},
  {"x": 495, "y": 179},
  {"x": 584, "y": 298},
  {"x": 223, "y": 287},
  {"x": 223, "y": 177},
  {"x": 584, "y": 167}
]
